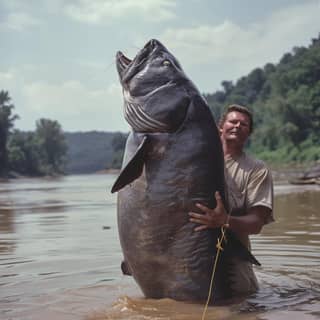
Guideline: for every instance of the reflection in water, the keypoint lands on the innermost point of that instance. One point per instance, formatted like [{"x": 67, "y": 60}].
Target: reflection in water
[
  {"x": 291, "y": 245},
  {"x": 6, "y": 220},
  {"x": 7, "y": 229},
  {"x": 58, "y": 260}
]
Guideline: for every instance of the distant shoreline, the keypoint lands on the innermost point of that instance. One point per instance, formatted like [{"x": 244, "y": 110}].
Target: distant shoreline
[
  {"x": 107, "y": 171},
  {"x": 281, "y": 177}
]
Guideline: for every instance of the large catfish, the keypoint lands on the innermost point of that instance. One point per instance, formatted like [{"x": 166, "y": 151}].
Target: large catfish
[{"x": 173, "y": 159}]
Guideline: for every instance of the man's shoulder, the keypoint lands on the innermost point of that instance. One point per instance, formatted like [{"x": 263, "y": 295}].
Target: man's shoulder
[{"x": 253, "y": 163}]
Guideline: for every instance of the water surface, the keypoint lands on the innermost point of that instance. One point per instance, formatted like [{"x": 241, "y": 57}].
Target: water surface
[{"x": 60, "y": 257}]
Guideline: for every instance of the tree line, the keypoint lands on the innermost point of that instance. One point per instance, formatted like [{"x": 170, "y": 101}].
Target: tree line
[
  {"x": 48, "y": 150},
  {"x": 285, "y": 100},
  {"x": 94, "y": 151},
  {"x": 34, "y": 153}
]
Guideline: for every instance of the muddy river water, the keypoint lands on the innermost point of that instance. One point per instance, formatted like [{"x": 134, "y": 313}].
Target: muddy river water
[{"x": 60, "y": 257}]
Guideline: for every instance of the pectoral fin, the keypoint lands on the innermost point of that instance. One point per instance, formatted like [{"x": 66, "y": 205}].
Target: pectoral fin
[
  {"x": 133, "y": 168},
  {"x": 125, "y": 268}
]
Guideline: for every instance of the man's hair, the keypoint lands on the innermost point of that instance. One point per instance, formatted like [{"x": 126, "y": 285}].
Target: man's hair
[{"x": 238, "y": 108}]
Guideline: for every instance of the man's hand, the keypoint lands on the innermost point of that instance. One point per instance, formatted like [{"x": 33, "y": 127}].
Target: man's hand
[{"x": 212, "y": 218}]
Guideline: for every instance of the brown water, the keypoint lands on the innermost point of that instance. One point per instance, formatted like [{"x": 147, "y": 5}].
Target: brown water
[{"x": 60, "y": 257}]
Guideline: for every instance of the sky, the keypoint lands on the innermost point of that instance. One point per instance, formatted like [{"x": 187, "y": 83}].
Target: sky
[{"x": 58, "y": 57}]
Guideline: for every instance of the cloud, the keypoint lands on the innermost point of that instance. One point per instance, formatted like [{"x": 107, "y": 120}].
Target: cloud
[
  {"x": 208, "y": 43},
  {"x": 102, "y": 11},
  {"x": 210, "y": 53},
  {"x": 9, "y": 80},
  {"x": 241, "y": 48},
  {"x": 74, "y": 104},
  {"x": 5, "y": 77},
  {"x": 19, "y": 21},
  {"x": 72, "y": 100}
]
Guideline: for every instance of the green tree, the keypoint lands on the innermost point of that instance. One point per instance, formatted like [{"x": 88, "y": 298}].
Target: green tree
[
  {"x": 285, "y": 100},
  {"x": 24, "y": 153},
  {"x": 52, "y": 145},
  {"x": 118, "y": 144},
  {"x": 6, "y": 123}
]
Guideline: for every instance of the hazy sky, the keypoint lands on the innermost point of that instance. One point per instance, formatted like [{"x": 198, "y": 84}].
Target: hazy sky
[{"x": 57, "y": 56}]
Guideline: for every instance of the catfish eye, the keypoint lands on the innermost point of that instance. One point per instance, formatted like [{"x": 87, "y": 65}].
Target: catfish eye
[{"x": 166, "y": 63}]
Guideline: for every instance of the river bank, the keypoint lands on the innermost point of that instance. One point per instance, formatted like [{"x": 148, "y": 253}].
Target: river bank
[{"x": 298, "y": 172}]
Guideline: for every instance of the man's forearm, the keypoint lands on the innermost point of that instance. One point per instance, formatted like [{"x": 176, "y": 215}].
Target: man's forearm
[{"x": 250, "y": 223}]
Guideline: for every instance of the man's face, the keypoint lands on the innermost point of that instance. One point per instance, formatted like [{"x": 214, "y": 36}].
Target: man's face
[{"x": 236, "y": 127}]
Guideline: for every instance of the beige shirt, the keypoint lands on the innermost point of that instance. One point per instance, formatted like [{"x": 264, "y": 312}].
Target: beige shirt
[{"x": 249, "y": 184}]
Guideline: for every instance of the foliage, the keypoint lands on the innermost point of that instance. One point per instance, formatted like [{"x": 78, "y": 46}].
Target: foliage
[
  {"x": 118, "y": 144},
  {"x": 30, "y": 153},
  {"x": 6, "y": 123},
  {"x": 41, "y": 152},
  {"x": 52, "y": 146},
  {"x": 24, "y": 153},
  {"x": 285, "y": 100},
  {"x": 89, "y": 152}
]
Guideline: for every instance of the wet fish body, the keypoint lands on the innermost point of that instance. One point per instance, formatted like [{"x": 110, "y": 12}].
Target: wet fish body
[{"x": 173, "y": 159}]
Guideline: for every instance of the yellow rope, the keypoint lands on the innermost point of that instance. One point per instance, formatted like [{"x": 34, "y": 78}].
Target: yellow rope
[{"x": 219, "y": 249}]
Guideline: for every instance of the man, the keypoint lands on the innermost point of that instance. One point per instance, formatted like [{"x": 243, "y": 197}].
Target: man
[{"x": 249, "y": 192}]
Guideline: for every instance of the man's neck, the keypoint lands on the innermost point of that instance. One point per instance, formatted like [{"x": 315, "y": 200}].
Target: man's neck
[{"x": 231, "y": 149}]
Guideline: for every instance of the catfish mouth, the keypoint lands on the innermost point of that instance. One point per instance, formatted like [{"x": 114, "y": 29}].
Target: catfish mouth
[
  {"x": 123, "y": 61},
  {"x": 139, "y": 120},
  {"x": 123, "y": 64},
  {"x": 140, "y": 98},
  {"x": 127, "y": 68}
]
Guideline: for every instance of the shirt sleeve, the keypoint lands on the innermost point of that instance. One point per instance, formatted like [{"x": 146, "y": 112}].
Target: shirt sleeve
[{"x": 260, "y": 189}]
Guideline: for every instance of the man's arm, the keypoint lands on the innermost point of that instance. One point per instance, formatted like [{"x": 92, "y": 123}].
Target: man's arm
[{"x": 250, "y": 223}]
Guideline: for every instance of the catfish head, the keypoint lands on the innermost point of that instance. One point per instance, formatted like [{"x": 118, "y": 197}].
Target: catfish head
[{"x": 156, "y": 90}]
